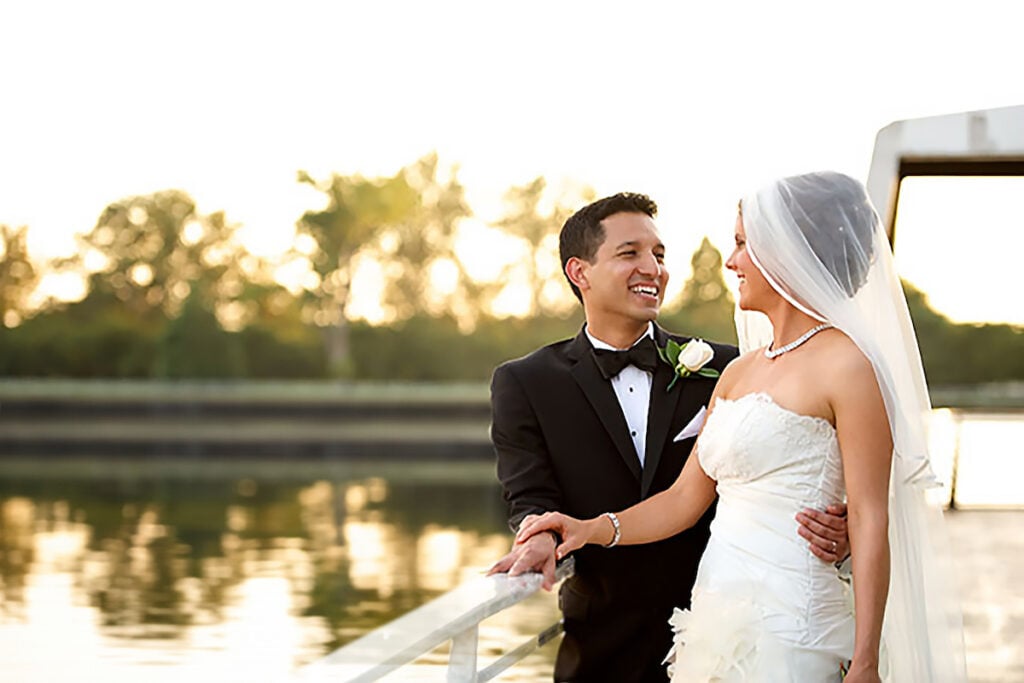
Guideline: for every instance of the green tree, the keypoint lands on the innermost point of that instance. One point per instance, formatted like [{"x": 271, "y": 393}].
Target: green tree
[
  {"x": 18, "y": 275},
  {"x": 434, "y": 348},
  {"x": 194, "y": 344},
  {"x": 955, "y": 353},
  {"x": 154, "y": 249},
  {"x": 422, "y": 238},
  {"x": 705, "y": 307},
  {"x": 538, "y": 230},
  {"x": 358, "y": 209},
  {"x": 95, "y": 337},
  {"x": 277, "y": 339}
]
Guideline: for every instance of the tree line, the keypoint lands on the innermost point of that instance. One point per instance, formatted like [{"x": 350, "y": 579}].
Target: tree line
[{"x": 172, "y": 293}]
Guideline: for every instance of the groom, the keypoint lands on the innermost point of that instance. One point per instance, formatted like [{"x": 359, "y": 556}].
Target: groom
[{"x": 582, "y": 427}]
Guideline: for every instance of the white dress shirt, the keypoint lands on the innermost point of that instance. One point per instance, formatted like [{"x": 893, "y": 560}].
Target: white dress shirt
[{"x": 632, "y": 387}]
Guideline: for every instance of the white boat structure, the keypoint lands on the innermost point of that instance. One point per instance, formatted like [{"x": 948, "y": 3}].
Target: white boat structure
[{"x": 987, "y": 142}]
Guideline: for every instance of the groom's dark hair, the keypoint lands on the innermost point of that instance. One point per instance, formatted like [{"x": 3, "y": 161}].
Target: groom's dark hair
[{"x": 583, "y": 233}]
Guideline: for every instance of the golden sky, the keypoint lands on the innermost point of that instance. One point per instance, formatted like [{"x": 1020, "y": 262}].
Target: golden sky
[{"x": 693, "y": 103}]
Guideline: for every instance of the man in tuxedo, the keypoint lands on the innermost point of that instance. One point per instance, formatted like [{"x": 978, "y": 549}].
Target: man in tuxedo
[{"x": 584, "y": 427}]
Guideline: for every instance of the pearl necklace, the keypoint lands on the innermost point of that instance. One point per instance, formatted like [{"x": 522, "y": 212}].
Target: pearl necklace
[{"x": 770, "y": 353}]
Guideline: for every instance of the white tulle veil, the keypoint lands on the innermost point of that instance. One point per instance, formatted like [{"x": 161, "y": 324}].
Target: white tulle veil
[{"x": 818, "y": 241}]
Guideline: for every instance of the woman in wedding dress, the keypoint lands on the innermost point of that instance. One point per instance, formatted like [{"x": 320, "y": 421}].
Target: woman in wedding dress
[{"x": 829, "y": 404}]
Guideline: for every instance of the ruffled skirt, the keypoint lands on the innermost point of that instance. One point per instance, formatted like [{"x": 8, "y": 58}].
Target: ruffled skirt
[{"x": 728, "y": 639}]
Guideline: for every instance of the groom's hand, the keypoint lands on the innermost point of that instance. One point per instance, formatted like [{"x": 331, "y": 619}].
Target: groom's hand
[
  {"x": 535, "y": 554},
  {"x": 826, "y": 532}
]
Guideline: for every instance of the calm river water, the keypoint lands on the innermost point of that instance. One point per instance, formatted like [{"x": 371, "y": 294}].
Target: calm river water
[{"x": 176, "y": 569}]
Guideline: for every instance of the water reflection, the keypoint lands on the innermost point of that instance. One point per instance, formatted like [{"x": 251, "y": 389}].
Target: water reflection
[
  {"x": 221, "y": 571},
  {"x": 266, "y": 573}
]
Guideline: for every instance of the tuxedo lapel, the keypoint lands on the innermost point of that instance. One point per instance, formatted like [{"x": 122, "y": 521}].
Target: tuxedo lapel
[
  {"x": 660, "y": 410},
  {"x": 602, "y": 398}
]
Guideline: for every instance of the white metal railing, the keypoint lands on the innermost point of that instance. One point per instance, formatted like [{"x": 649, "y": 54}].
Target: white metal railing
[{"x": 454, "y": 616}]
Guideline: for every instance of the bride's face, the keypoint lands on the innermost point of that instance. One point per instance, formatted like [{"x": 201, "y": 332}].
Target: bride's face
[{"x": 754, "y": 289}]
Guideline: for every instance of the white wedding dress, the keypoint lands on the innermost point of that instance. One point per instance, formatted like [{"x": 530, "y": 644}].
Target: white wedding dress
[{"x": 764, "y": 608}]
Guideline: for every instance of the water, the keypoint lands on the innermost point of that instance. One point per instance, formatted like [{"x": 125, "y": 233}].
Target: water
[
  {"x": 245, "y": 572},
  {"x": 170, "y": 570}
]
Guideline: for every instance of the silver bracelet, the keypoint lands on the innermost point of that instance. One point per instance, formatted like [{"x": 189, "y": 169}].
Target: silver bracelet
[{"x": 618, "y": 529}]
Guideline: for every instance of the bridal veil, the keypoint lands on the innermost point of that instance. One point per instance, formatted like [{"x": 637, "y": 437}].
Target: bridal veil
[{"x": 818, "y": 241}]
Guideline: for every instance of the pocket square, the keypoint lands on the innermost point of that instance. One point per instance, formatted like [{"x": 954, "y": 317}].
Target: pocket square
[{"x": 692, "y": 427}]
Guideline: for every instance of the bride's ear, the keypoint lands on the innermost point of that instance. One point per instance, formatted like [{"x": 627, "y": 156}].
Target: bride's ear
[{"x": 576, "y": 271}]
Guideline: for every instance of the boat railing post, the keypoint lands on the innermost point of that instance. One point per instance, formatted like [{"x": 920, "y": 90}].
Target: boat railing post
[{"x": 462, "y": 658}]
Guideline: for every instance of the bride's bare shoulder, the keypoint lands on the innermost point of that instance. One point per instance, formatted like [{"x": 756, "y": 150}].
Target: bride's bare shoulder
[
  {"x": 846, "y": 364},
  {"x": 843, "y": 353},
  {"x": 735, "y": 369},
  {"x": 739, "y": 364}
]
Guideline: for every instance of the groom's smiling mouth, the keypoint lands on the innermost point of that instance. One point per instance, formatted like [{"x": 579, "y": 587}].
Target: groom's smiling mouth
[{"x": 645, "y": 291}]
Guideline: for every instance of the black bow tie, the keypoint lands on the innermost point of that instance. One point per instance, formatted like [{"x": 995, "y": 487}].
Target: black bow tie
[{"x": 644, "y": 355}]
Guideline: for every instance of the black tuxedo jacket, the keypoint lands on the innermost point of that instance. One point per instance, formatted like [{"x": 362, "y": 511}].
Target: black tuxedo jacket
[{"x": 562, "y": 444}]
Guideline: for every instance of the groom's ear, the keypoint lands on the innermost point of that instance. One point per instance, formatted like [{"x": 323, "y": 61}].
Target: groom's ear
[{"x": 576, "y": 271}]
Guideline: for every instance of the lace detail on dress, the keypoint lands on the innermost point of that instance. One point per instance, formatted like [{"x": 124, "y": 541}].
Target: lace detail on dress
[{"x": 732, "y": 449}]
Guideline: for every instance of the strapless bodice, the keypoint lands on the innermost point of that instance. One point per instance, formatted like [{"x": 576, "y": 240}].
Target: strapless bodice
[
  {"x": 769, "y": 464},
  {"x": 756, "y": 449}
]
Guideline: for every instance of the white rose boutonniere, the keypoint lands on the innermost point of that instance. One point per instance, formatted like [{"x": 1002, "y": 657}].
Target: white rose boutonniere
[{"x": 688, "y": 359}]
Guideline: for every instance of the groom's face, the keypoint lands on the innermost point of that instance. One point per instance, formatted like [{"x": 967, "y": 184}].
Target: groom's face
[{"x": 626, "y": 281}]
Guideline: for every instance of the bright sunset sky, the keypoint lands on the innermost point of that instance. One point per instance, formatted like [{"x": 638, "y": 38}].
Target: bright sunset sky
[{"x": 693, "y": 103}]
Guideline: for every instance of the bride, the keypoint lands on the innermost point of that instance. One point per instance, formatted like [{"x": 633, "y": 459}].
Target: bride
[{"x": 832, "y": 407}]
